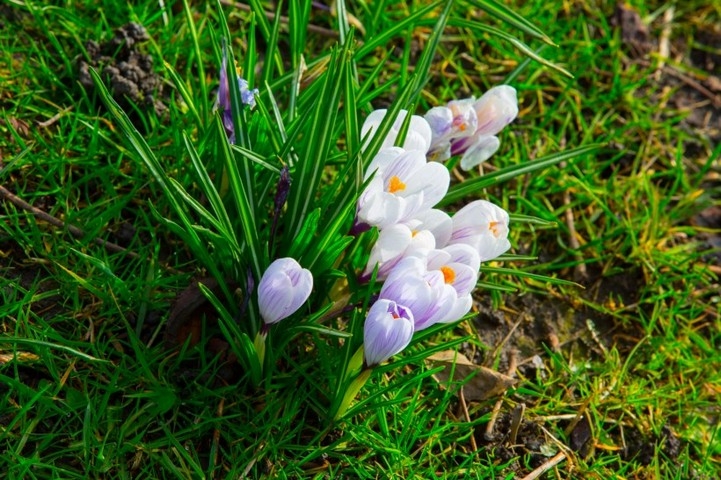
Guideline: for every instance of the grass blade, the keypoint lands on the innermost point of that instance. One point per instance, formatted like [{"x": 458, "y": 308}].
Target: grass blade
[
  {"x": 473, "y": 185},
  {"x": 505, "y": 14}
]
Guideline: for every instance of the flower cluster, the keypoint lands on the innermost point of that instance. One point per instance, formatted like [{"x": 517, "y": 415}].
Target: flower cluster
[{"x": 427, "y": 260}]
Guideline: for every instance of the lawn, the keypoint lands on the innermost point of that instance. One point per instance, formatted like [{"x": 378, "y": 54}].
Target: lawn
[{"x": 593, "y": 346}]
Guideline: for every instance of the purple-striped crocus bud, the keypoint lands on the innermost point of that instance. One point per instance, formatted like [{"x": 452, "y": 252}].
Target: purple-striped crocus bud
[
  {"x": 387, "y": 331},
  {"x": 284, "y": 287}
]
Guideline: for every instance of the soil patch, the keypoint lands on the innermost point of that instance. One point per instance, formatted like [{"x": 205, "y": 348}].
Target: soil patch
[{"x": 128, "y": 72}]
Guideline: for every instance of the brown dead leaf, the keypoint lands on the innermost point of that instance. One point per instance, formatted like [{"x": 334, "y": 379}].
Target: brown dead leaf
[
  {"x": 20, "y": 126},
  {"x": 17, "y": 356},
  {"x": 484, "y": 382}
]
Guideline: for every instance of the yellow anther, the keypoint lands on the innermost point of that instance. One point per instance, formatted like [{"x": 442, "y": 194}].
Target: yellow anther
[
  {"x": 449, "y": 275},
  {"x": 395, "y": 185}
]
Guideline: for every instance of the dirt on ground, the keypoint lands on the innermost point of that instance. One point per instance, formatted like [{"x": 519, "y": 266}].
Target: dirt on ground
[
  {"x": 520, "y": 334},
  {"x": 128, "y": 72}
]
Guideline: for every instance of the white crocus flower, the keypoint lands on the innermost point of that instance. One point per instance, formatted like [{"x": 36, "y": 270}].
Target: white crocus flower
[
  {"x": 393, "y": 244},
  {"x": 404, "y": 185},
  {"x": 430, "y": 230},
  {"x": 436, "y": 287},
  {"x": 483, "y": 226},
  {"x": 418, "y": 136}
]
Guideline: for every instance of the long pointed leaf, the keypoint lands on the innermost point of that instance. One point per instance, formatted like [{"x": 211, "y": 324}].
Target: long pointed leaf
[
  {"x": 505, "y": 14},
  {"x": 147, "y": 156},
  {"x": 473, "y": 185}
]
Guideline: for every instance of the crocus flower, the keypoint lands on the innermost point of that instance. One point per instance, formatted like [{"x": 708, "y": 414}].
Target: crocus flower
[
  {"x": 388, "y": 329},
  {"x": 393, "y": 244},
  {"x": 450, "y": 123},
  {"x": 404, "y": 186},
  {"x": 483, "y": 226},
  {"x": 428, "y": 231},
  {"x": 247, "y": 96},
  {"x": 418, "y": 136},
  {"x": 437, "y": 287},
  {"x": 494, "y": 110},
  {"x": 284, "y": 287}
]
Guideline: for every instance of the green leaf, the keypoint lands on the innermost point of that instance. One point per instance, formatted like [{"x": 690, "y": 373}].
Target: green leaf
[
  {"x": 507, "y": 15},
  {"x": 510, "y": 38},
  {"x": 381, "y": 39},
  {"x": 314, "y": 151},
  {"x": 532, "y": 276},
  {"x": 239, "y": 341},
  {"x": 148, "y": 158},
  {"x": 518, "y": 218},
  {"x": 184, "y": 93},
  {"x": 198, "y": 53},
  {"x": 474, "y": 185},
  {"x": 243, "y": 204},
  {"x": 306, "y": 234}
]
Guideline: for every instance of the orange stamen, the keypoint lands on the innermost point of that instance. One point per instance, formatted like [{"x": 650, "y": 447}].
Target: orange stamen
[
  {"x": 395, "y": 185},
  {"x": 493, "y": 227},
  {"x": 449, "y": 275}
]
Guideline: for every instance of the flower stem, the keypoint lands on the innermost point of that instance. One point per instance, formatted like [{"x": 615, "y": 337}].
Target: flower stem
[{"x": 351, "y": 392}]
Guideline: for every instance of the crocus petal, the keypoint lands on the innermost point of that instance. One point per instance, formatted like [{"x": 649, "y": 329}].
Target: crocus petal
[
  {"x": 383, "y": 159},
  {"x": 433, "y": 179},
  {"x": 388, "y": 249},
  {"x": 465, "y": 254},
  {"x": 479, "y": 151},
  {"x": 495, "y": 109},
  {"x": 418, "y": 136},
  {"x": 440, "y": 119},
  {"x": 483, "y": 226},
  {"x": 438, "y": 223},
  {"x": 284, "y": 287},
  {"x": 388, "y": 329},
  {"x": 460, "y": 308}
]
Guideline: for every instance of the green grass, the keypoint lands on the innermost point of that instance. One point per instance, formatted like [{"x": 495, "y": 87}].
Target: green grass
[{"x": 88, "y": 390}]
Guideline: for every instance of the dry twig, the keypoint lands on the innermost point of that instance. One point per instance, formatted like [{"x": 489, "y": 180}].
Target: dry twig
[
  {"x": 75, "y": 231},
  {"x": 546, "y": 466}
]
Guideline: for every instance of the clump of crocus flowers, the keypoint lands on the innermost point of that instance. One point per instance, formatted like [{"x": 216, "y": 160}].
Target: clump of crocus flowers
[{"x": 427, "y": 260}]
